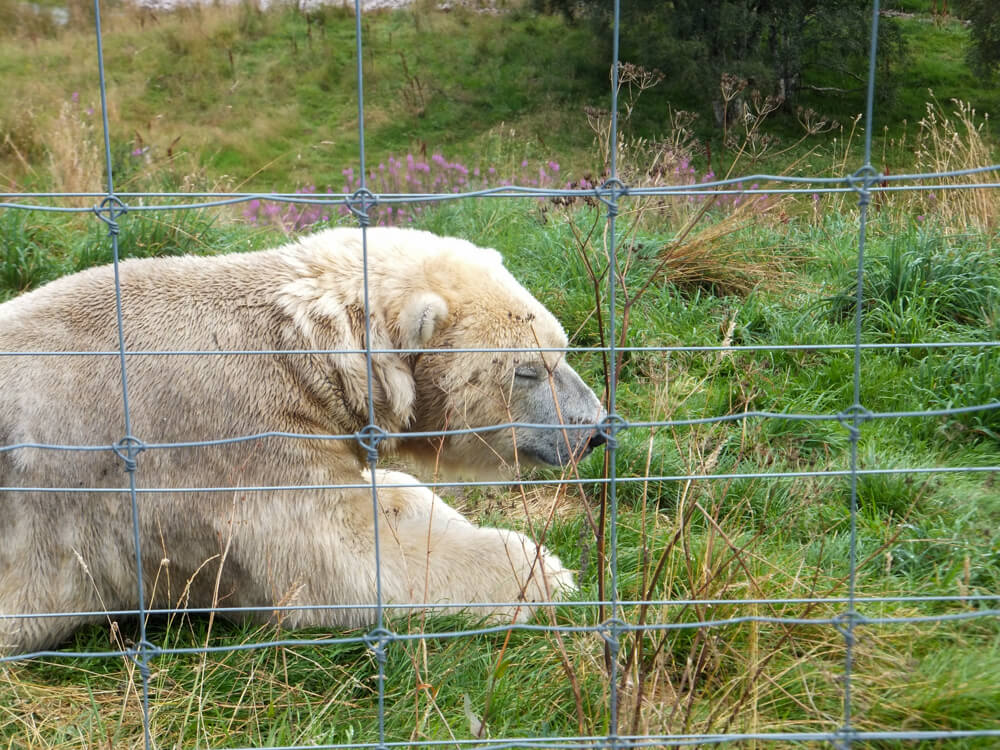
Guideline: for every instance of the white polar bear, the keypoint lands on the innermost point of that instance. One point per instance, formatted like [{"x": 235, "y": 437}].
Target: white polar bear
[{"x": 71, "y": 549}]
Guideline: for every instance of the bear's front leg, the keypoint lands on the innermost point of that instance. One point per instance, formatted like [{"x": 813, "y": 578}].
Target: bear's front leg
[{"x": 432, "y": 555}]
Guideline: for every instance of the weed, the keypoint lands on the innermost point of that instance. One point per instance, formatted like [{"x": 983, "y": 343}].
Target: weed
[
  {"x": 25, "y": 260},
  {"x": 74, "y": 159},
  {"x": 966, "y": 379},
  {"x": 411, "y": 174},
  {"x": 33, "y": 21}
]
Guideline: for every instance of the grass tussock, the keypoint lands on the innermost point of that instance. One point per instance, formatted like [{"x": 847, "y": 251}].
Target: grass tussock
[
  {"x": 703, "y": 255},
  {"x": 927, "y": 278}
]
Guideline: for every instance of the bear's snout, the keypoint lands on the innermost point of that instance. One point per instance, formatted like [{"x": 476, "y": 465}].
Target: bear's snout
[{"x": 596, "y": 441}]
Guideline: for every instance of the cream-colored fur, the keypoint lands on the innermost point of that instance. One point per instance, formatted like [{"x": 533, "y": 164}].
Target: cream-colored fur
[
  {"x": 72, "y": 551},
  {"x": 426, "y": 546}
]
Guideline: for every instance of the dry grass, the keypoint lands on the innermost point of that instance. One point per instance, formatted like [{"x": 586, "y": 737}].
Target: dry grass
[
  {"x": 84, "y": 711},
  {"x": 702, "y": 253},
  {"x": 705, "y": 255},
  {"x": 75, "y": 161},
  {"x": 951, "y": 141}
]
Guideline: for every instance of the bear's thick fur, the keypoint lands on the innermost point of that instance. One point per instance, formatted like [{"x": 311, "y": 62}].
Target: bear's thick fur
[{"x": 68, "y": 549}]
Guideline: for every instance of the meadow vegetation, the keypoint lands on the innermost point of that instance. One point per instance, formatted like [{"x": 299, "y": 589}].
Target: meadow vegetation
[{"x": 758, "y": 268}]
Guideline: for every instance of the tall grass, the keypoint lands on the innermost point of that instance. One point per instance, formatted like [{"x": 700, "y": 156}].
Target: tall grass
[
  {"x": 926, "y": 279},
  {"x": 956, "y": 140},
  {"x": 75, "y": 163}
]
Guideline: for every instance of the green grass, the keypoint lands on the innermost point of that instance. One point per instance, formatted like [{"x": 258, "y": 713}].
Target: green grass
[
  {"x": 229, "y": 96},
  {"x": 937, "y": 62},
  {"x": 725, "y": 539},
  {"x": 198, "y": 80},
  {"x": 779, "y": 272}
]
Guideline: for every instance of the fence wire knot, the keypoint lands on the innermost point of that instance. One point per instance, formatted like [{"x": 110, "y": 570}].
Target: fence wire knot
[
  {"x": 141, "y": 654},
  {"x": 377, "y": 640},
  {"x": 609, "y": 629},
  {"x": 109, "y": 210},
  {"x": 844, "y": 737},
  {"x": 614, "y": 189},
  {"x": 846, "y": 622},
  {"x": 369, "y": 437},
  {"x": 360, "y": 203},
  {"x": 861, "y": 182},
  {"x": 609, "y": 427},
  {"x": 853, "y": 416},
  {"x": 128, "y": 449}
]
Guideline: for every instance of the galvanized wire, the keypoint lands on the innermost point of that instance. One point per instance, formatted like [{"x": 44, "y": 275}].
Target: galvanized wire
[
  {"x": 614, "y": 624},
  {"x": 849, "y": 619},
  {"x": 574, "y": 604},
  {"x": 854, "y": 414},
  {"x": 923, "y": 182},
  {"x": 665, "y": 349},
  {"x": 109, "y": 211},
  {"x": 865, "y": 183},
  {"x": 361, "y": 202}
]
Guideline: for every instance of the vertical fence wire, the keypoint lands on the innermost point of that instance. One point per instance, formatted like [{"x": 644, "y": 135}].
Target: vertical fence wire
[
  {"x": 129, "y": 447},
  {"x": 856, "y": 410},
  {"x": 612, "y": 629},
  {"x": 379, "y": 638}
]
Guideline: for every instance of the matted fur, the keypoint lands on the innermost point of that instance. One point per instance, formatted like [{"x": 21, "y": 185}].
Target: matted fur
[{"x": 73, "y": 552}]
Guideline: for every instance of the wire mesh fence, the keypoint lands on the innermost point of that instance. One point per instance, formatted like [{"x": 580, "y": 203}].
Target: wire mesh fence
[{"x": 612, "y": 618}]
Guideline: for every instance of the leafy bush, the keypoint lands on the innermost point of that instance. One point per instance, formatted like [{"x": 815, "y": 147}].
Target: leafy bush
[{"x": 783, "y": 47}]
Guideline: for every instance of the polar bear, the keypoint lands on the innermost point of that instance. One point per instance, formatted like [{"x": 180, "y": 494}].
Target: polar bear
[{"x": 263, "y": 353}]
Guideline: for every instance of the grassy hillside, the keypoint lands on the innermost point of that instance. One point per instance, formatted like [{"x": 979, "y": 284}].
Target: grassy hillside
[
  {"x": 233, "y": 97},
  {"x": 236, "y": 98}
]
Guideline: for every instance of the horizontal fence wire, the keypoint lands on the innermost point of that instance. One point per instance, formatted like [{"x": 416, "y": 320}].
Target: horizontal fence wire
[
  {"x": 598, "y": 481},
  {"x": 865, "y": 183},
  {"x": 842, "y": 417},
  {"x": 654, "y": 740},
  {"x": 348, "y": 200},
  {"x": 601, "y": 629},
  {"x": 732, "y": 186},
  {"x": 667, "y": 349}
]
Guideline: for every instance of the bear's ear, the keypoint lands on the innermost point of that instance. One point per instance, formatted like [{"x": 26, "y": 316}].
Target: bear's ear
[{"x": 420, "y": 317}]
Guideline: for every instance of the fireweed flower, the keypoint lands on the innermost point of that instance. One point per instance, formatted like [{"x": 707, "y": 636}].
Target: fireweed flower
[{"x": 405, "y": 174}]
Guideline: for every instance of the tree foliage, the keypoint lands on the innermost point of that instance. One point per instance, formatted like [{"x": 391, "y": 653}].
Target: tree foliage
[
  {"x": 984, "y": 21},
  {"x": 783, "y": 48}
]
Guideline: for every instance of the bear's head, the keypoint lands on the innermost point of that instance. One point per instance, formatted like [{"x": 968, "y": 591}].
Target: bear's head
[
  {"x": 475, "y": 350},
  {"x": 505, "y": 364}
]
